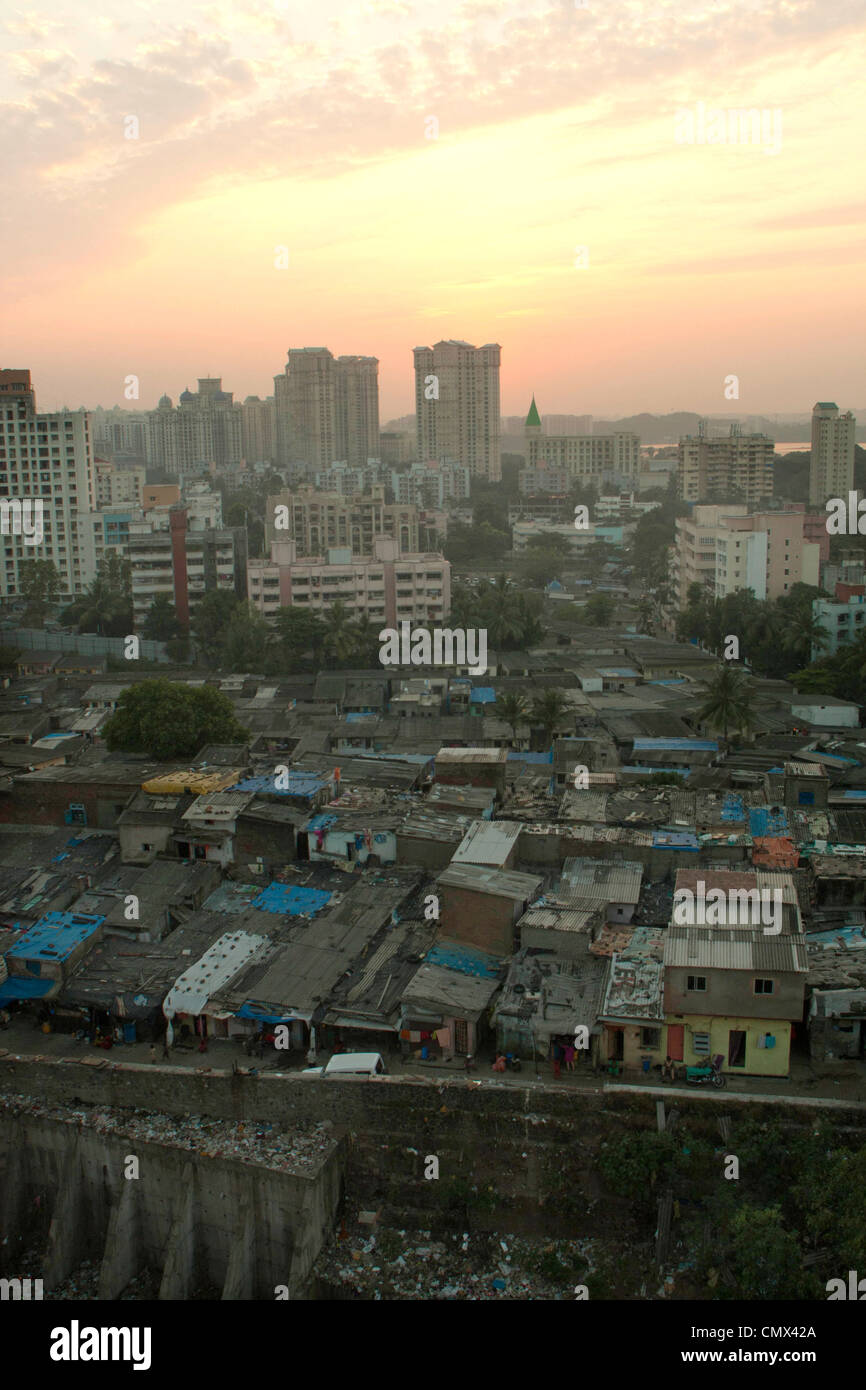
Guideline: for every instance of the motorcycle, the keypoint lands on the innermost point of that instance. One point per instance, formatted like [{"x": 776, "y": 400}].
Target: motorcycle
[{"x": 709, "y": 1074}]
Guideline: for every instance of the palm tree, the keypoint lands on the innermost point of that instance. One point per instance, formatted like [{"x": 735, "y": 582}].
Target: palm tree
[
  {"x": 505, "y": 624},
  {"x": 513, "y": 709},
  {"x": 366, "y": 640},
  {"x": 549, "y": 711},
  {"x": 464, "y": 606},
  {"x": 729, "y": 702},
  {"x": 803, "y": 635},
  {"x": 339, "y": 638}
]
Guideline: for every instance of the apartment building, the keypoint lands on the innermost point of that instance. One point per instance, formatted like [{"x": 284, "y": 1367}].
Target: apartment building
[
  {"x": 580, "y": 456},
  {"x": 350, "y": 482},
  {"x": 395, "y": 447},
  {"x": 543, "y": 479},
  {"x": 831, "y": 466},
  {"x": 206, "y": 430},
  {"x": 117, "y": 486},
  {"x": 46, "y": 458},
  {"x": 431, "y": 484},
  {"x": 386, "y": 586},
  {"x": 259, "y": 429},
  {"x": 175, "y": 554},
  {"x": 842, "y": 619},
  {"x": 457, "y": 406},
  {"x": 119, "y": 434},
  {"x": 327, "y": 409},
  {"x": 740, "y": 464},
  {"x": 318, "y": 521},
  {"x": 726, "y": 548}
]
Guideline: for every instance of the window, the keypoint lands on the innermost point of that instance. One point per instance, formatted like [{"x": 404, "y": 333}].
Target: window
[
  {"x": 701, "y": 1044},
  {"x": 696, "y": 983},
  {"x": 764, "y": 986},
  {"x": 650, "y": 1037}
]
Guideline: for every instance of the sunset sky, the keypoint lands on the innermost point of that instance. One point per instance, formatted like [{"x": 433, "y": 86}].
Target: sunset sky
[{"x": 305, "y": 125}]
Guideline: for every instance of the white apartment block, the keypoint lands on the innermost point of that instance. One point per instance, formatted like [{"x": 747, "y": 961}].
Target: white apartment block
[
  {"x": 48, "y": 458},
  {"x": 741, "y": 463},
  {"x": 580, "y": 456},
  {"x": 831, "y": 467},
  {"x": 431, "y": 484},
  {"x": 116, "y": 486},
  {"x": 385, "y": 586},
  {"x": 727, "y": 548},
  {"x": 457, "y": 406}
]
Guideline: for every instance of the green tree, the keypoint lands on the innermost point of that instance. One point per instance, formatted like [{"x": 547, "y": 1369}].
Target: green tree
[
  {"x": 209, "y": 623},
  {"x": 246, "y": 641},
  {"x": 512, "y": 707},
  {"x": 765, "y": 1256},
  {"x": 538, "y": 567},
  {"x": 301, "y": 633},
  {"x": 161, "y": 623},
  {"x": 166, "y": 720},
  {"x": 40, "y": 586},
  {"x": 549, "y": 712},
  {"x": 106, "y": 606},
  {"x": 599, "y": 610},
  {"x": 729, "y": 701},
  {"x": 365, "y": 641},
  {"x": 338, "y": 640}
]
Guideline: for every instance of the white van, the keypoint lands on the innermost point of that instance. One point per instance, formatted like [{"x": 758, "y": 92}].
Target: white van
[{"x": 350, "y": 1064}]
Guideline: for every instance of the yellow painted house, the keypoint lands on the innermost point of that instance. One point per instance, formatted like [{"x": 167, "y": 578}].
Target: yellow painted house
[{"x": 733, "y": 993}]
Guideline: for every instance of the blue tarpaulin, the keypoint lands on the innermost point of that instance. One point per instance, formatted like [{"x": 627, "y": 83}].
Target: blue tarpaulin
[
  {"x": 286, "y": 898},
  {"x": 24, "y": 987},
  {"x": 261, "y": 1014},
  {"x": 733, "y": 808},
  {"x": 483, "y": 695},
  {"x": 464, "y": 959},
  {"x": 763, "y": 823},
  {"x": 679, "y": 745}
]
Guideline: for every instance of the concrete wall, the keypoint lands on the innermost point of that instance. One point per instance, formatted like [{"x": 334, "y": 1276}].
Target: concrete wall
[{"x": 197, "y": 1223}]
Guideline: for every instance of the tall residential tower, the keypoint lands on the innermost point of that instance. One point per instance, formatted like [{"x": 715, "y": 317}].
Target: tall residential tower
[
  {"x": 831, "y": 469},
  {"x": 457, "y": 406}
]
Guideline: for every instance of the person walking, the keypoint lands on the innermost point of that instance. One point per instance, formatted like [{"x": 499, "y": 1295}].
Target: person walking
[
  {"x": 569, "y": 1057},
  {"x": 153, "y": 1053},
  {"x": 556, "y": 1054},
  {"x": 165, "y": 1052}
]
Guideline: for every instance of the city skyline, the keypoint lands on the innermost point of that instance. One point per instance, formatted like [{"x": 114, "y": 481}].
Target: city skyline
[{"x": 525, "y": 176}]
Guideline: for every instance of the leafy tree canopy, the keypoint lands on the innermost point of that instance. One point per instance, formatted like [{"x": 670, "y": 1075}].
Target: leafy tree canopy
[{"x": 167, "y": 720}]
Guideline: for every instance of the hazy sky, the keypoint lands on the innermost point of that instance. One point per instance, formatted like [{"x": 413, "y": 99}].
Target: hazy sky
[{"x": 306, "y": 126}]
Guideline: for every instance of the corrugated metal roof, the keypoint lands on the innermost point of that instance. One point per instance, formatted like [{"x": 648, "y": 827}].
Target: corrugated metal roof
[
  {"x": 602, "y": 880},
  {"x": 720, "y": 949},
  {"x": 488, "y": 842},
  {"x": 472, "y": 755},
  {"x": 479, "y": 878}
]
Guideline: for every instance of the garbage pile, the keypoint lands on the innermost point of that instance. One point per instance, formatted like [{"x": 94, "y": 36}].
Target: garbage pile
[
  {"x": 384, "y": 1263},
  {"x": 301, "y": 1152}
]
